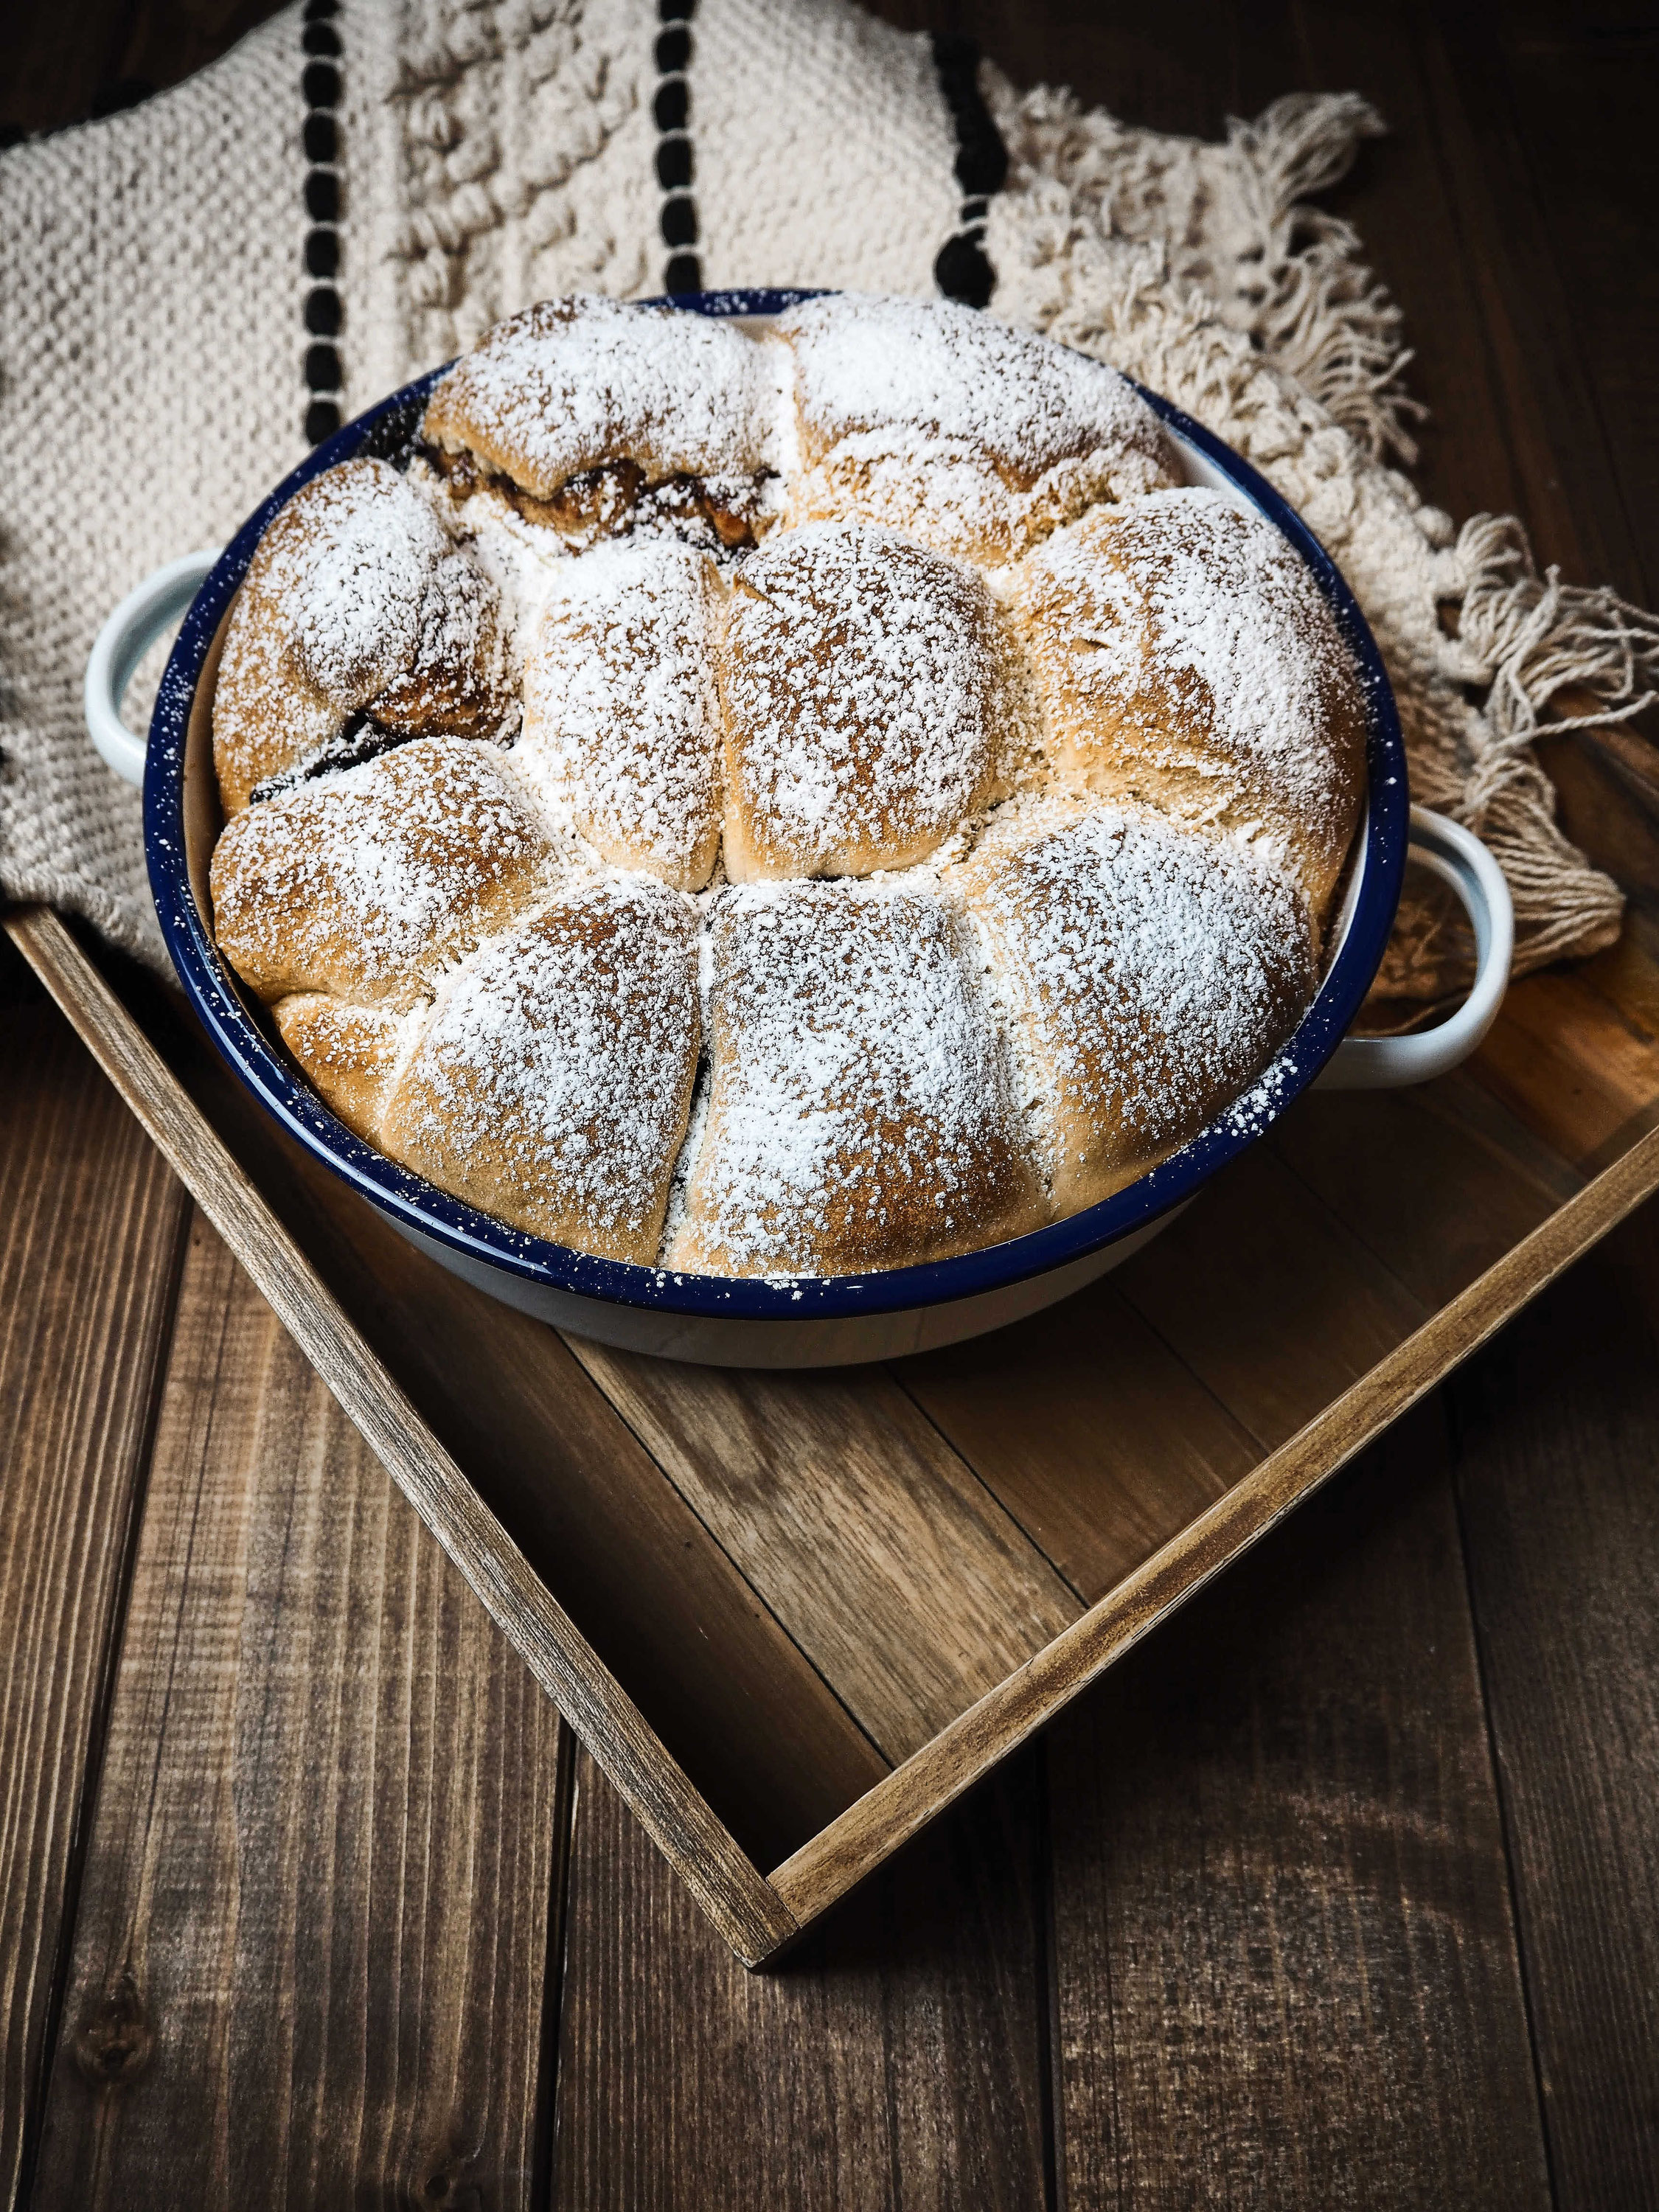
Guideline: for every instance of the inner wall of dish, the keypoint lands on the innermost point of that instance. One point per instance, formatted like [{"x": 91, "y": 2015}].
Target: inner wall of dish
[{"x": 204, "y": 815}]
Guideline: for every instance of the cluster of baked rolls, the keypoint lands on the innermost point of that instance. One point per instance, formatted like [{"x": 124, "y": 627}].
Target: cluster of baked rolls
[{"x": 798, "y": 803}]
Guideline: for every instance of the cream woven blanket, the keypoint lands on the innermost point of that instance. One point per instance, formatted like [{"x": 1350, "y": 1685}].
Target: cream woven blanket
[{"x": 198, "y": 289}]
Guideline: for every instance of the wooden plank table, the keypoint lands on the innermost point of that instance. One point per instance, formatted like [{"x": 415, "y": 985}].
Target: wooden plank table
[{"x": 1343, "y": 1890}]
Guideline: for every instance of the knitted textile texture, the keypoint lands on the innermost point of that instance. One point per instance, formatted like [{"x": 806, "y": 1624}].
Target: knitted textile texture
[{"x": 199, "y": 289}]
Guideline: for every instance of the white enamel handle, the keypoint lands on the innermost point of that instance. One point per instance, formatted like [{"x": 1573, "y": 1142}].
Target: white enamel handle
[
  {"x": 1457, "y": 856},
  {"x": 125, "y": 638}
]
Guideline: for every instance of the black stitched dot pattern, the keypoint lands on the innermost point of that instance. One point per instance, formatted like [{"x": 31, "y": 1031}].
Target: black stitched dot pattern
[
  {"x": 962, "y": 271},
  {"x": 672, "y": 109},
  {"x": 321, "y": 84},
  {"x": 674, "y": 162}
]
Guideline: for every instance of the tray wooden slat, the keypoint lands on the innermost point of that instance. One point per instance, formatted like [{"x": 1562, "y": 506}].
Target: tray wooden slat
[
  {"x": 646, "y": 1584},
  {"x": 871, "y": 1830},
  {"x": 1260, "y": 1266},
  {"x": 1470, "y": 1201},
  {"x": 883, "y": 1554},
  {"x": 1573, "y": 1068},
  {"x": 1063, "y": 1414}
]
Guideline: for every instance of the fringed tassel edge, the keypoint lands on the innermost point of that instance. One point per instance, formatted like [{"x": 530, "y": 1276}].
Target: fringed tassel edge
[
  {"x": 1527, "y": 641},
  {"x": 1325, "y": 317},
  {"x": 1316, "y": 310}
]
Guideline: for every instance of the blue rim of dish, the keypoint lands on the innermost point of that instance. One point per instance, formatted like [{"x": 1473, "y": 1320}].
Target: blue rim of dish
[{"x": 388, "y": 431}]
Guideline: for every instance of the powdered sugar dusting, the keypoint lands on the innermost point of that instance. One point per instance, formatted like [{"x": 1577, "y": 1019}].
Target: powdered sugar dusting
[
  {"x": 620, "y": 706},
  {"x": 865, "y": 707},
  {"x": 571, "y": 385},
  {"x": 1152, "y": 971},
  {"x": 946, "y": 372},
  {"x": 352, "y": 1054},
  {"x": 358, "y": 599},
  {"x": 554, "y": 1081},
  {"x": 1182, "y": 633},
  {"x": 781, "y": 595},
  {"x": 1259, "y": 1107},
  {"x": 860, "y": 1113},
  {"x": 938, "y": 420},
  {"x": 369, "y": 882}
]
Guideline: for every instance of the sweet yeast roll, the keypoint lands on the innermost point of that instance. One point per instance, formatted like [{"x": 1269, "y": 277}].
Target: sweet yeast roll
[
  {"x": 1185, "y": 658},
  {"x": 352, "y": 1053},
  {"x": 368, "y": 883},
  {"x": 621, "y": 714},
  {"x": 583, "y": 409},
  {"x": 861, "y": 1113},
  {"x": 1149, "y": 970},
  {"x": 552, "y": 1085},
  {"x": 869, "y": 701},
  {"x": 935, "y": 418},
  {"x": 357, "y": 604}
]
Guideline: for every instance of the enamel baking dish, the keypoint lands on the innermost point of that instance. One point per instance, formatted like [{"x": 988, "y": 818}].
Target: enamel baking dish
[{"x": 804, "y": 1321}]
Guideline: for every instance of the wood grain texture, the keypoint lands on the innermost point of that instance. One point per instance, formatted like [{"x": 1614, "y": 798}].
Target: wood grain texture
[
  {"x": 1577, "y": 126},
  {"x": 883, "y": 1555},
  {"x": 1431, "y": 1195},
  {"x": 90, "y": 1230},
  {"x": 1187, "y": 70},
  {"x": 1557, "y": 1490},
  {"x": 1509, "y": 212},
  {"x": 309, "y": 1963},
  {"x": 1576, "y": 1051},
  {"x": 1530, "y": 280},
  {"x": 895, "y": 2061},
  {"x": 1607, "y": 785},
  {"x": 1088, "y": 1429},
  {"x": 734, "y": 1700},
  {"x": 1285, "y": 1964},
  {"x": 732, "y": 1891},
  {"x": 1574, "y": 1066},
  {"x": 1464, "y": 211},
  {"x": 110, "y": 54},
  {"x": 1591, "y": 1086},
  {"x": 1267, "y": 1298}
]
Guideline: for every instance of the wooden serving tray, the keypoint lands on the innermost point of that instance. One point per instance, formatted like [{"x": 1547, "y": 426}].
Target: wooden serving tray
[{"x": 792, "y": 1616}]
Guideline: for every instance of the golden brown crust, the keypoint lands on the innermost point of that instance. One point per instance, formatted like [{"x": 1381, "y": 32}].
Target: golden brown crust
[
  {"x": 350, "y": 1053},
  {"x": 620, "y": 709},
  {"x": 1082, "y": 751},
  {"x": 368, "y": 883},
  {"x": 861, "y": 1110},
  {"x": 356, "y": 603},
  {"x": 868, "y": 706},
  {"x": 974, "y": 437},
  {"x": 721, "y": 513},
  {"x": 1185, "y": 658},
  {"x": 1149, "y": 973},
  {"x": 588, "y": 385},
  {"x": 552, "y": 1086}
]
